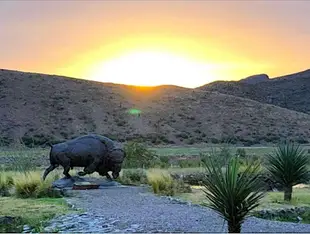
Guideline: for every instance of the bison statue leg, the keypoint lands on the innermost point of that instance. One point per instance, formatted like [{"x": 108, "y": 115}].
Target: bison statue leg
[
  {"x": 104, "y": 172},
  {"x": 91, "y": 168},
  {"x": 66, "y": 165},
  {"x": 49, "y": 169}
]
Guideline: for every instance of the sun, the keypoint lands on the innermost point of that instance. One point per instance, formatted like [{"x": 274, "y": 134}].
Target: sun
[{"x": 152, "y": 68}]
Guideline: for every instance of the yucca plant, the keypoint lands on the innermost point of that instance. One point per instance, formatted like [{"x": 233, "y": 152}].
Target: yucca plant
[
  {"x": 288, "y": 166},
  {"x": 231, "y": 193}
]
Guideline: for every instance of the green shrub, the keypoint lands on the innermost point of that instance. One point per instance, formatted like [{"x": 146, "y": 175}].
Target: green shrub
[
  {"x": 139, "y": 156},
  {"x": 250, "y": 160},
  {"x": 241, "y": 152},
  {"x": 164, "y": 162},
  {"x": 189, "y": 163},
  {"x": 194, "y": 178},
  {"x": 136, "y": 176},
  {"x": 6, "y": 183}
]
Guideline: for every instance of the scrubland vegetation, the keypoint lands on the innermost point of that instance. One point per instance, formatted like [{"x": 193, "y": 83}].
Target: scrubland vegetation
[{"x": 237, "y": 179}]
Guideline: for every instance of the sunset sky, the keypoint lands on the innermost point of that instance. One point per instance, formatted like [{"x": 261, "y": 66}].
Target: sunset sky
[{"x": 185, "y": 43}]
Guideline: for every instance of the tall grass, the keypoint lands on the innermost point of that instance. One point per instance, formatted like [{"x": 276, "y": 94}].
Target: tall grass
[
  {"x": 30, "y": 185},
  {"x": 162, "y": 183},
  {"x": 26, "y": 184}
]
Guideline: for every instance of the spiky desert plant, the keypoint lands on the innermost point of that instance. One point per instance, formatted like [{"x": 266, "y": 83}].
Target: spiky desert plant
[
  {"x": 288, "y": 165},
  {"x": 231, "y": 193}
]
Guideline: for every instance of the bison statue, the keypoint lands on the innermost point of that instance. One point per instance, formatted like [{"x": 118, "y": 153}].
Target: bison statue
[{"x": 95, "y": 153}]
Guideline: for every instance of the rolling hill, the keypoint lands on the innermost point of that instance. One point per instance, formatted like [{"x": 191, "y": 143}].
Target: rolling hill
[
  {"x": 290, "y": 91},
  {"x": 36, "y": 108}
]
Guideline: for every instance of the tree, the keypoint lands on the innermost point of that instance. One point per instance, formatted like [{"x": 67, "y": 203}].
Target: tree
[
  {"x": 231, "y": 193},
  {"x": 288, "y": 166}
]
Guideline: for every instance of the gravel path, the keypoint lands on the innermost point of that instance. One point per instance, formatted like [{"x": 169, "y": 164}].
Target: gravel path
[{"x": 134, "y": 209}]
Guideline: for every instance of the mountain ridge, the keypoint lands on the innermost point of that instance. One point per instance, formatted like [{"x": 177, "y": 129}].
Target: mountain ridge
[
  {"x": 36, "y": 108},
  {"x": 290, "y": 91}
]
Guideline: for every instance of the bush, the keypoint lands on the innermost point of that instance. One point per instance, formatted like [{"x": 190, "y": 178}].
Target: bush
[
  {"x": 189, "y": 163},
  {"x": 164, "y": 184},
  {"x": 194, "y": 178},
  {"x": 139, "y": 156},
  {"x": 136, "y": 176},
  {"x": 164, "y": 162},
  {"x": 241, "y": 152},
  {"x": 6, "y": 183},
  {"x": 250, "y": 160}
]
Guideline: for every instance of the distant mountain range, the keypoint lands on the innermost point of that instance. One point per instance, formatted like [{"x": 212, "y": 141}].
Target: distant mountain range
[
  {"x": 36, "y": 108},
  {"x": 290, "y": 91}
]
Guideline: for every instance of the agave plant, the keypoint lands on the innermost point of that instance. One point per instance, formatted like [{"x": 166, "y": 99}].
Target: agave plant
[
  {"x": 289, "y": 166},
  {"x": 231, "y": 193}
]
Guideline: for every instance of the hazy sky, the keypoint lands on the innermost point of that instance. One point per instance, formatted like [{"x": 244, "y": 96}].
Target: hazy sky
[{"x": 218, "y": 39}]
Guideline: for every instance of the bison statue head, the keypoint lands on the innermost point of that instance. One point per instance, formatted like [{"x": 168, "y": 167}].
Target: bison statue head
[{"x": 113, "y": 162}]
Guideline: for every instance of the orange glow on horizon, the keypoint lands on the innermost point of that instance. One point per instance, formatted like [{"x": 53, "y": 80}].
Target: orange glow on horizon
[
  {"x": 151, "y": 68},
  {"x": 153, "y": 60}
]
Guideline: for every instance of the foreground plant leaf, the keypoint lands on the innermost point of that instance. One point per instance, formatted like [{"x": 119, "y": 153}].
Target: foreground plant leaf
[{"x": 232, "y": 194}]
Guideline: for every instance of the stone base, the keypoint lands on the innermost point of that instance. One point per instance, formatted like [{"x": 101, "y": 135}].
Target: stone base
[
  {"x": 84, "y": 186},
  {"x": 83, "y": 182}
]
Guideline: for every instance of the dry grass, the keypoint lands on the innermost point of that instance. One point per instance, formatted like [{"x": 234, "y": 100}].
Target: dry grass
[{"x": 27, "y": 184}]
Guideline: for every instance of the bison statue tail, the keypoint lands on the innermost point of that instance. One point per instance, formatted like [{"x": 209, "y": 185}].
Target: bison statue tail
[{"x": 53, "y": 164}]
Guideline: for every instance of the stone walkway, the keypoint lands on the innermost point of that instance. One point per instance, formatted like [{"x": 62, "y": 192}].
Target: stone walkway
[{"x": 134, "y": 209}]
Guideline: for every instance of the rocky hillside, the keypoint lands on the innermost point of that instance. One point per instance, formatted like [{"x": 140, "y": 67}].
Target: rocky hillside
[
  {"x": 36, "y": 108},
  {"x": 291, "y": 91}
]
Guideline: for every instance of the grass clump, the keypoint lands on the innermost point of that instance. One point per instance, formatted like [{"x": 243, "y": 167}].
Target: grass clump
[
  {"x": 162, "y": 183},
  {"x": 30, "y": 185},
  {"x": 6, "y": 183}
]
